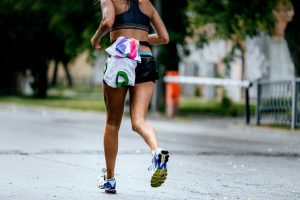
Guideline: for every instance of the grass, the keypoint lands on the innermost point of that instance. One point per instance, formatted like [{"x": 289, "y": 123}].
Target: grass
[
  {"x": 89, "y": 104},
  {"x": 91, "y": 99},
  {"x": 197, "y": 106}
]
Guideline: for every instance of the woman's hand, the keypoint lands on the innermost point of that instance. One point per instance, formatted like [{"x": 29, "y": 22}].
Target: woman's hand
[{"x": 95, "y": 42}]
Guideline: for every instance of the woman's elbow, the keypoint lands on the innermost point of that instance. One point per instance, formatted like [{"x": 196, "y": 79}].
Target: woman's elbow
[
  {"x": 107, "y": 23},
  {"x": 165, "y": 39}
]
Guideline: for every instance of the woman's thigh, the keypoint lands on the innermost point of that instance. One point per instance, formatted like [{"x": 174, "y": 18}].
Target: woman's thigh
[
  {"x": 140, "y": 97},
  {"x": 114, "y": 102}
]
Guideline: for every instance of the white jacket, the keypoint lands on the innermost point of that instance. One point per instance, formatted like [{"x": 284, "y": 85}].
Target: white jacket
[{"x": 120, "y": 66}]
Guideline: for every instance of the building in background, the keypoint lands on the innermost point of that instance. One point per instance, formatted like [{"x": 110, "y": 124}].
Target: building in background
[{"x": 266, "y": 57}]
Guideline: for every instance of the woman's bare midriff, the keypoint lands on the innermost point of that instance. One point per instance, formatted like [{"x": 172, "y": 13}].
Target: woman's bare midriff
[{"x": 131, "y": 33}]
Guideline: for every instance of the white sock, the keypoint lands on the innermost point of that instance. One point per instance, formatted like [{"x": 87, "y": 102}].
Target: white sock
[
  {"x": 153, "y": 152},
  {"x": 157, "y": 149}
]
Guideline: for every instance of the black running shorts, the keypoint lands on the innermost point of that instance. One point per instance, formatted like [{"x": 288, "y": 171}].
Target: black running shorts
[{"x": 146, "y": 70}]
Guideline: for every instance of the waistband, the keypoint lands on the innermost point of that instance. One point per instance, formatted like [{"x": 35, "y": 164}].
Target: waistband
[{"x": 146, "y": 54}]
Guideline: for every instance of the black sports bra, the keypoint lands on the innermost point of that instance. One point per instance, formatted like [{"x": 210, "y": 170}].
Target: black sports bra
[{"x": 133, "y": 18}]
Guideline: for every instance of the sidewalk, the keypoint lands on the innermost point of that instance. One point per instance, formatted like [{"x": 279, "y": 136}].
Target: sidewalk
[{"x": 57, "y": 154}]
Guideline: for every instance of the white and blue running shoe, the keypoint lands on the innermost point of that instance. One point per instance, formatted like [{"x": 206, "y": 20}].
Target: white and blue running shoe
[
  {"x": 109, "y": 185},
  {"x": 159, "y": 167}
]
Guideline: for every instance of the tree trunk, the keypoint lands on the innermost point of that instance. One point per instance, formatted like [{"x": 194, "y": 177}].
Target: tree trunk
[
  {"x": 41, "y": 80},
  {"x": 68, "y": 75},
  {"x": 54, "y": 77},
  {"x": 169, "y": 58},
  {"x": 175, "y": 19},
  {"x": 158, "y": 90},
  {"x": 242, "y": 47},
  {"x": 293, "y": 37},
  {"x": 8, "y": 80}
]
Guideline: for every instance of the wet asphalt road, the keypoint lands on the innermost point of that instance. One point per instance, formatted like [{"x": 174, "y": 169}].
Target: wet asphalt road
[{"x": 57, "y": 154}]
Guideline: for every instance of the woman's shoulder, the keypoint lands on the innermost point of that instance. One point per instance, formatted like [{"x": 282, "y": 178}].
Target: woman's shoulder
[
  {"x": 144, "y": 1},
  {"x": 146, "y": 7}
]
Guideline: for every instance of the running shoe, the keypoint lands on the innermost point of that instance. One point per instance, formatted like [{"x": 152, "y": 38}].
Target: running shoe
[
  {"x": 109, "y": 185},
  {"x": 159, "y": 167}
]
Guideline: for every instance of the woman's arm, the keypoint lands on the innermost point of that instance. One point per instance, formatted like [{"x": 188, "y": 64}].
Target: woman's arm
[
  {"x": 161, "y": 36},
  {"x": 108, "y": 18}
]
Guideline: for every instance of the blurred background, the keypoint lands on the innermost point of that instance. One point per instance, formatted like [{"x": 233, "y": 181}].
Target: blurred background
[
  {"x": 46, "y": 57},
  {"x": 229, "y": 63}
]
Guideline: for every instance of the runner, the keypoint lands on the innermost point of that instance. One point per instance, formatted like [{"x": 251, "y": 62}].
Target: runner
[{"x": 128, "y": 22}]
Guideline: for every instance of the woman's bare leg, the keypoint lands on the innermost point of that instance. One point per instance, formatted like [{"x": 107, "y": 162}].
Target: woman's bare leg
[
  {"x": 140, "y": 96},
  {"x": 114, "y": 102}
]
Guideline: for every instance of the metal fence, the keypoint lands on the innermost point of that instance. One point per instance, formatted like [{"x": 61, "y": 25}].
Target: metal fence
[{"x": 278, "y": 103}]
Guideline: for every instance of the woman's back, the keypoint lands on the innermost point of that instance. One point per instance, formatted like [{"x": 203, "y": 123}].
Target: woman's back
[{"x": 132, "y": 19}]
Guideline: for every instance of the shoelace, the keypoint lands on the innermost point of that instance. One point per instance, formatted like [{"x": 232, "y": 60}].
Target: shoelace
[{"x": 101, "y": 183}]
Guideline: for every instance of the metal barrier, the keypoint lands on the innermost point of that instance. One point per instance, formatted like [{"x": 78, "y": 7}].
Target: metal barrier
[
  {"x": 278, "y": 102},
  {"x": 217, "y": 82}
]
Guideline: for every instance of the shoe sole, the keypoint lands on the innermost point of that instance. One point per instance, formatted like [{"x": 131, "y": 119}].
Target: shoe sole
[
  {"x": 160, "y": 175},
  {"x": 110, "y": 191}
]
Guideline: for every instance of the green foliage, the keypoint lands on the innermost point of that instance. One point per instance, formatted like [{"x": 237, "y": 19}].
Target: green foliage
[
  {"x": 234, "y": 20},
  {"x": 231, "y": 19},
  {"x": 225, "y": 101},
  {"x": 36, "y": 31},
  {"x": 68, "y": 22}
]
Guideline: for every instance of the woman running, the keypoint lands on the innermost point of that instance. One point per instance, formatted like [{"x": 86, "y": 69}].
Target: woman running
[{"x": 131, "y": 19}]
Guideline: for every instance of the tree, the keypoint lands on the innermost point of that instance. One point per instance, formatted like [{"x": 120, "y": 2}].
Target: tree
[
  {"x": 293, "y": 36},
  {"x": 231, "y": 19},
  {"x": 36, "y": 31}
]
